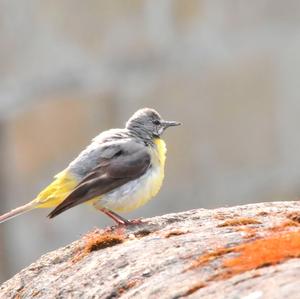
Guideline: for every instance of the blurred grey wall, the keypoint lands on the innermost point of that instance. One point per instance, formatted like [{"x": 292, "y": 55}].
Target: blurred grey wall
[{"x": 229, "y": 70}]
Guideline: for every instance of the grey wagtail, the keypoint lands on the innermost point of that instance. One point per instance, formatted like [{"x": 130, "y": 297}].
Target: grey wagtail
[{"x": 119, "y": 171}]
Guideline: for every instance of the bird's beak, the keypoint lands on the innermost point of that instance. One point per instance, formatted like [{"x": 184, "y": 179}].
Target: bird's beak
[{"x": 167, "y": 123}]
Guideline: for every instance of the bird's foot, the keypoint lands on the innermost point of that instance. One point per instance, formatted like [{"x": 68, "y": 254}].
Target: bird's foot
[
  {"x": 134, "y": 221},
  {"x": 120, "y": 221}
]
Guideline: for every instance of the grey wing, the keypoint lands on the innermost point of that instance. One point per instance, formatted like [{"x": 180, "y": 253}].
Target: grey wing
[
  {"x": 94, "y": 153},
  {"x": 129, "y": 162}
]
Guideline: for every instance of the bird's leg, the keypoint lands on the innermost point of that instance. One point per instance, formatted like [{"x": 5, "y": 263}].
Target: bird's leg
[
  {"x": 114, "y": 216},
  {"x": 118, "y": 219}
]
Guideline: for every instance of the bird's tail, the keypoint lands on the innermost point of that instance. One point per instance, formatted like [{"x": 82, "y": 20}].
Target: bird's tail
[
  {"x": 18, "y": 211},
  {"x": 51, "y": 196}
]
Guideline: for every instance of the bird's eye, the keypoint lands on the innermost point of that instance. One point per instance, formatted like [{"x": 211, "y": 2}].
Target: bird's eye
[{"x": 156, "y": 122}]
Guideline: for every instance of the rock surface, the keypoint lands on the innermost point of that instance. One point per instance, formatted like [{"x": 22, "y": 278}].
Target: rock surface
[{"x": 248, "y": 252}]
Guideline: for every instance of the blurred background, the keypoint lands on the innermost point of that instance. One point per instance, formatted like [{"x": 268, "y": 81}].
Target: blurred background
[{"x": 229, "y": 70}]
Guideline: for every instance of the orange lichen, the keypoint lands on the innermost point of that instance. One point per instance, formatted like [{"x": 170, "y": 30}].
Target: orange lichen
[
  {"x": 97, "y": 240},
  {"x": 208, "y": 257},
  {"x": 142, "y": 233},
  {"x": 220, "y": 216},
  {"x": 294, "y": 216},
  {"x": 280, "y": 243},
  {"x": 194, "y": 288},
  {"x": 175, "y": 232},
  {"x": 262, "y": 213},
  {"x": 284, "y": 225},
  {"x": 18, "y": 296},
  {"x": 35, "y": 293},
  {"x": 128, "y": 285},
  {"x": 239, "y": 221},
  {"x": 267, "y": 251}
]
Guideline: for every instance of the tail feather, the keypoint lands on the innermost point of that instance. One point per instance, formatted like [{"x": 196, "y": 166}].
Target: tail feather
[{"x": 18, "y": 211}]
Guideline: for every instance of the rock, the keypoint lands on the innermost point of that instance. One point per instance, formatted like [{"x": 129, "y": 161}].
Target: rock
[{"x": 247, "y": 252}]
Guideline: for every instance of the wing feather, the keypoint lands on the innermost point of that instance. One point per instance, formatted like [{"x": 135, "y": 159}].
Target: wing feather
[{"x": 128, "y": 163}]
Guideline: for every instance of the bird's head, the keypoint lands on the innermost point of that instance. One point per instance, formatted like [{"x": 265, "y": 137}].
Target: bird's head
[{"x": 148, "y": 123}]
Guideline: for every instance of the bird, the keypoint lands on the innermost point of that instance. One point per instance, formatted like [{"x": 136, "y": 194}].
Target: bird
[{"x": 120, "y": 171}]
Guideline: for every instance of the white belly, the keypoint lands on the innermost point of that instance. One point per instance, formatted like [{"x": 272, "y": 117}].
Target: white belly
[{"x": 134, "y": 194}]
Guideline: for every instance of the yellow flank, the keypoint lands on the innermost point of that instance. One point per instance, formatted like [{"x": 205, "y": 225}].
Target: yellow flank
[
  {"x": 57, "y": 191},
  {"x": 159, "y": 160},
  {"x": 161, "y": 151}
]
